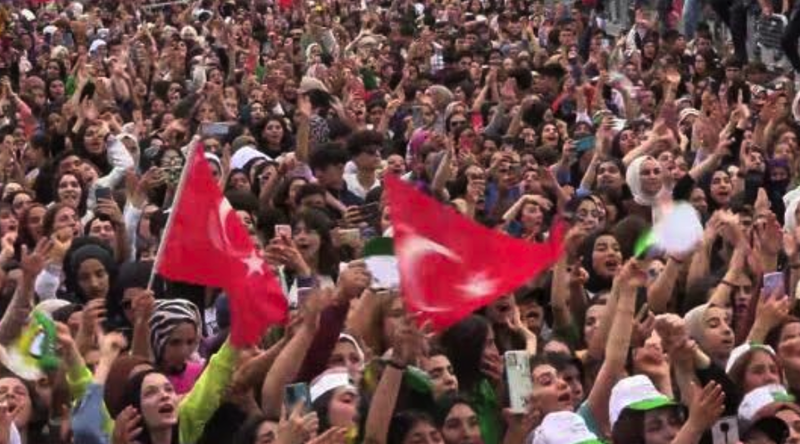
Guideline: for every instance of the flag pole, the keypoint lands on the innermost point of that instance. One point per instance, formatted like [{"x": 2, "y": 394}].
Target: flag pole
[{"x": 193, "y": 148}]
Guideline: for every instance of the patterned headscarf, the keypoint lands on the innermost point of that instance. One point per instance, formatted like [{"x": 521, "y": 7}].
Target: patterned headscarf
[{"x": 167, "y": 316}]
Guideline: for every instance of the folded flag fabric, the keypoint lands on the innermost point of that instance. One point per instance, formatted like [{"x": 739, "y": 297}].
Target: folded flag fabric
[{"x": 450, "y": 265}]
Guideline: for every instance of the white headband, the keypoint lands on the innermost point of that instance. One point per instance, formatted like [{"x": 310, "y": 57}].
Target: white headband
[{"x": 328, "y": 381}]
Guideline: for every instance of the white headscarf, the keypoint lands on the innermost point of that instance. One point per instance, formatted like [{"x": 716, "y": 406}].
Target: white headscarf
[
  {"x": 791, "y": 200},
  {"x": 633, "y": 178}
]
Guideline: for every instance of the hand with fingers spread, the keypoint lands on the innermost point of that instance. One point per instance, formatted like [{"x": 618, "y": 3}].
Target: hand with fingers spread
[
  {"x": 33, "y": 262},
  {"x": 706, "y": 407},
  {"x": 127, "y": 427},
  {"x": 66, "y": 344},
  {"x": 60, "y": 242},
  {"x": 7, "y": 248}
]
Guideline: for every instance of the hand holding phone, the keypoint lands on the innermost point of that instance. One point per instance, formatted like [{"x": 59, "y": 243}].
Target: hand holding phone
[{"x": 774, "y": 284}]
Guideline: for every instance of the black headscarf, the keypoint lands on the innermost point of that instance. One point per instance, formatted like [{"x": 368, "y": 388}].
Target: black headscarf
[{"x": 81, "y": 250}]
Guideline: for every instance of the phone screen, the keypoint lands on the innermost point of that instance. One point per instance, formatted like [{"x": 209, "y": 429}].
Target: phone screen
[
  {"x": 774, "y": 283},
  {"x": 294, "y": 394}
]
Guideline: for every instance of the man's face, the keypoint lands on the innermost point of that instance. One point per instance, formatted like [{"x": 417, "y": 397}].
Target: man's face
[
  {"x": 330, "y": 176},
  {"x": 533, "y": 316}
]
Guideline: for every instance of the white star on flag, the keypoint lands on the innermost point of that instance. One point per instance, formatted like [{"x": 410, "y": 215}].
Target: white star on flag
[
  {"x": 254, "y": 264},
  {"x": 478, "y": 285}
]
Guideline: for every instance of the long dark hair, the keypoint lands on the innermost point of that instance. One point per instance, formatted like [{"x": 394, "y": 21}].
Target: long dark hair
[
  {"x": 403, "y": 422},
  {"x": 463, "y": 344},
  {"x": 133, "y": 397},
  {"x": 317, "y": 221},
  {"x": 248, "y": 433}
]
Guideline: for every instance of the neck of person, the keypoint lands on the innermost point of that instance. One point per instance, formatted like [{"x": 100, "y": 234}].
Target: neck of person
[{"x": 161, "y": 435}]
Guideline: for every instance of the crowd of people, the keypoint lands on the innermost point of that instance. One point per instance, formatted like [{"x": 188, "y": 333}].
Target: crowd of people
[{"x": 513, "y": 113}]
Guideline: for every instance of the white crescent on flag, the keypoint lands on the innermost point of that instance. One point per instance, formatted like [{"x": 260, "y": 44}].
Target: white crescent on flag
[
  {"x": 219, "y": 237},
  {"x": 414, "y": 249}
]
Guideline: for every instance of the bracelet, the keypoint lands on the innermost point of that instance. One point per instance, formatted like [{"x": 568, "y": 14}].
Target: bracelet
[
  {"x": 395, "y": 365},
  {"x": 729, "y": 284},
  {"x": 794, "y": 266}
]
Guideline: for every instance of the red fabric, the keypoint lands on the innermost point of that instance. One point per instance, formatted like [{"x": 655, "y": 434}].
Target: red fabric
[
  {"x": 208, "y": 245},
  {"x": 285, "y": 4},
  {"x": 450, "y": 265}
]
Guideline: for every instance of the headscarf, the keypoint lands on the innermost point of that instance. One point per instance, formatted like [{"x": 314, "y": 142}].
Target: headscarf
[
  {"x": 694, "y": 322},
  {"x": 596, "y": 283},
  {"x": 634, "y": 180},
  {"x": 81, "y": 250},
  {"x": 167, "y": 316},
  {"x": 131, "y": 275}
]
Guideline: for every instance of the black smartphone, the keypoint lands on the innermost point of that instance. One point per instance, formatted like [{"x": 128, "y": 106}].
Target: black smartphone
[
  {"x": 87, "y": 91},
  {"x": 102, "y": 193},
  {"x": 294, "y": 394}
]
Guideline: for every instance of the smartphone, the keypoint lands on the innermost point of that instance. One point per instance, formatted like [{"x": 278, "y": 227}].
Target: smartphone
[
  {"x": 725, "y": 431},
  {"x": 302, "y": 294},
  {"x": 88, "y": 91},
  {"x": 642, "y": 314},
  {"x": 102, "y": 193},
  {"x": 774, "y": 283},
  {"x": 217, "y": 129},
  {"x": 518, "y": 378},
  {"x": 416, "y": 117},
  {"x": 294, "y": 394},
  {"x": 283, "y": 231},
  {"x": 584, "y": 144}
]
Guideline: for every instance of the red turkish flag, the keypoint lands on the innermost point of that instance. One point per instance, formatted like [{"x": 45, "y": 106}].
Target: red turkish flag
[
  {"x": 206, "y": 244},
  {"x": 451, "y": 266}
]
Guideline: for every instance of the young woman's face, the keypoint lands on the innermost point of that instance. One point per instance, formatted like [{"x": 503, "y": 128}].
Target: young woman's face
[
  {"x": 69, "y": 190},
  {"x": 273, "y": 132},
  {"x": 550, "y": 134},
  {"x": 18, "y": 399},
  {"x": 159, "y": 402},
  {"x": 661, "y": 425},
  {"x": 345, "y": 355},
  {"x": 343, "y": 408},
  {"x": 698, "y": 201},
  {"x": 721, "y": 188},
  {"x": 609, "y": 177},
  {"x": 8, "y": 222},
  {"x": 240, "y": 182},
  {"x": 551, "y": 393},
  {"x": 67, "y": 218},
  {"x": 35, "y": 222},
  {"x": 788, "y": 332},
  {"x": 181, "y": 344},
  {"x": 308, "y": 241},
  {"x": 440, "y": 370},
  {"x": 532, "y": 218},
  {"x": 760, "y": 371},
  {"x": 592, "y": 321},
  {"x": 423, "y": 432},
  {"x": 717, "y": 334},
  {"x": 93, "y": 279},
  {"x": 627, "y": 141},
  {"x": 294, "y": 187},
  {"x": 461, "y": 426},
  {"x": 572, "y": 376},
  {"x": 588, "y": 215},
  {"x": 650, "y": 177},
  {"x": 606, "y": 256},
  {"x": 93, "y": 140}
]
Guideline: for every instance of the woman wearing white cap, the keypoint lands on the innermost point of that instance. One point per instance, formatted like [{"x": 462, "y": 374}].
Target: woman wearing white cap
[{"x": 640, "y": 414}]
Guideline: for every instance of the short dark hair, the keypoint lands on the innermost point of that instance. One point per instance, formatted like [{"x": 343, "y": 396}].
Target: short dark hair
[
  {"x": 360, "y": 140},
  {"x": 326, "y": 155},
  {"x": 306, "y": 190}
]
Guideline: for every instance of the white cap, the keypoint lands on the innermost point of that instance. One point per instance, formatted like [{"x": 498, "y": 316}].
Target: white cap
[
  {"x": 28, "y": 15},
  {"x": 760, "y": 398},
  {"x": 49, "y": 29},
  {"x": 96, "y": 45},
  {"x": 740, "y": 351},
  {"x": 244, "y": 155},
  {"x": 330, "y": 379},
  {"x": 635, "y": 393},
  {"x": 564, "y": 428}
]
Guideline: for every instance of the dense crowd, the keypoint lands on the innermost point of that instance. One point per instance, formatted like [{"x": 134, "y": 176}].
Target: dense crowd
[{"x": 516, "y": 114}]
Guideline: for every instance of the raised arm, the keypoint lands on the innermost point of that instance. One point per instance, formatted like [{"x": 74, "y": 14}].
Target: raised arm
[
  {"x": 629, "y": 280},
  {"x": 289, "y": 360}
]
